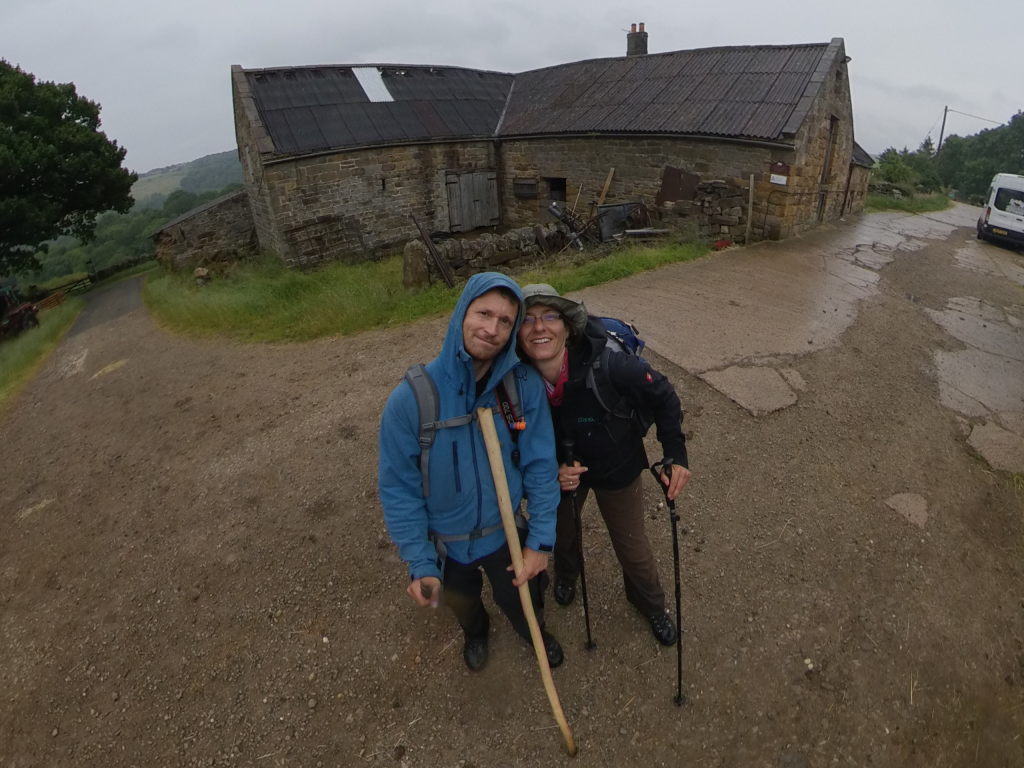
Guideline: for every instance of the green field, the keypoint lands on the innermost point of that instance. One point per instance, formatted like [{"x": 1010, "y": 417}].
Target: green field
[{"x": 158, "y": 184}]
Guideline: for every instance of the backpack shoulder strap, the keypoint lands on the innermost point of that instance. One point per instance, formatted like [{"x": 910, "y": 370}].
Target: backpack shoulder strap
[
  {"x": 508, "y": 398},
  {"x": 428, "y": 404},
  {"x": 599, "y": 382},
  {"x": 428, "y": 407},
  {"x": 511, "y": 410}
]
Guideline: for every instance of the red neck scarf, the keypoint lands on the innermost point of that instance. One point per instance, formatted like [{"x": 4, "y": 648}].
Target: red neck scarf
[{"x": 555, "y": 390}]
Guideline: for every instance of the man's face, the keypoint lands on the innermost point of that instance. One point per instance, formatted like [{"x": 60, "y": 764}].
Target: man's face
[{"x": 488, "y": 325}]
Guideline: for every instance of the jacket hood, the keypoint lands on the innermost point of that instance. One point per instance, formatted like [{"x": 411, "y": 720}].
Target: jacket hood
[
  {"x": 588, "y": 345},
  {"x": 454, "y": 358}
]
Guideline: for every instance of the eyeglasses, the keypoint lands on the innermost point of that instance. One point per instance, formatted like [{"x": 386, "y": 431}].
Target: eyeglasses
[{"x": 551, "y": 317}]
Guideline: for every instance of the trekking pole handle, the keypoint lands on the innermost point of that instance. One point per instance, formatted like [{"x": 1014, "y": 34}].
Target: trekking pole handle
[
  {"x": 567, "y": 447},
  {"x": 663, "y": 467}
]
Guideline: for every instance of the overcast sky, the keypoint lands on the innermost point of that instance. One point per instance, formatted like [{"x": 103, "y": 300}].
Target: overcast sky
[{"x": 161, "y": 70}]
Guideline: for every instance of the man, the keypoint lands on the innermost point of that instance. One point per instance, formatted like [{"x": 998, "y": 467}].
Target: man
[{"x": 447, "y": 525}]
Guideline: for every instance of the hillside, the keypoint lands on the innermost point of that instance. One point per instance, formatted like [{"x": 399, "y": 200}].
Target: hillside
[{"x": 209, "y": 173}]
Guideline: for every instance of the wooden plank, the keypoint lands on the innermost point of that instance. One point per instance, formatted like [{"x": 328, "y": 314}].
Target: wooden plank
[
  {"x": 477, "y": 183},
  {"x": 607, "y": 184},
  {"x": 442, "y": 266},
  {"x": 456, "y": 215}
]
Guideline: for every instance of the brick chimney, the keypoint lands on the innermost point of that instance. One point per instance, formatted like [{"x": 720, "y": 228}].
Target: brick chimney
[{"x": 636, "y": 41}]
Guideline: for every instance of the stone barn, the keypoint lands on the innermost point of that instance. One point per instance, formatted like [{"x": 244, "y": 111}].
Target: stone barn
[{"x": 337, "y": 160}]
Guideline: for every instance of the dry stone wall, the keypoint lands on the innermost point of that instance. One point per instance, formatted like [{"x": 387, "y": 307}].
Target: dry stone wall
[
  {"x": 220, "y": 231},
  {"x": 469, "y": 255}
]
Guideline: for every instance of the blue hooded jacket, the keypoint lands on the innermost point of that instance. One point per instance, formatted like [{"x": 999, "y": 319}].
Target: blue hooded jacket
[{"x": 462, "y": 496}]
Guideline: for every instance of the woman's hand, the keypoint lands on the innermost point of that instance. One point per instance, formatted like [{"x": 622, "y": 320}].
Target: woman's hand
[
  {"x": 569, "y": 477},
  {"x": 675, "y": 484}
]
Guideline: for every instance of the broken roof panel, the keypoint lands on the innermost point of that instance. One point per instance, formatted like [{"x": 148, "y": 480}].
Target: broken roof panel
[{"x": 750, "y": 92}]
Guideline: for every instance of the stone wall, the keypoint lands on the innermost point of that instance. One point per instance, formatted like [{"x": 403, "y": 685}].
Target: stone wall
[
  {"x": 468, "y": 255},
  {"x": 819, "y": 181},
  {"x": 584, "y": 163},
  {"x": 221, "y": 230},
  {"x": 254, "y": 147},
  {"x": 357, "y": 205},
  {"x": 860, "y": 180},
  {"x": 717, "y": 211}
]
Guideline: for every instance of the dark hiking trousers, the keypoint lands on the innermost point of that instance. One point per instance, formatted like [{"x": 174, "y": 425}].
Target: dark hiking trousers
[
  {"x": 623, "y": 513},
  {"x": 463, "y": 583}
]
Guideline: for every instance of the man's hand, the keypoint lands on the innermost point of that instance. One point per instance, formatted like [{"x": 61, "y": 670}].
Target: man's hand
[
  {"x": 533, "y": 563},
  {"x": 425, "y": 591},
  {"x": 680, "y": 477}
]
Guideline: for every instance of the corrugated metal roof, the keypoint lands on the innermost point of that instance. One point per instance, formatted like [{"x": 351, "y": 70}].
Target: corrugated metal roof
[
  {"x": 745, "y": 92},
  {"x": 312, "y": 109},
  {"x": 748, "y": 92}
]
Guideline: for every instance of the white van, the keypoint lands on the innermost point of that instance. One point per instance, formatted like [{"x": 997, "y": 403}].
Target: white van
[{"x": 1003, "y": 218}]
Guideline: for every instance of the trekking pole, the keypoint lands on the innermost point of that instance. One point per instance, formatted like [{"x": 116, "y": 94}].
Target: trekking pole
[
  {"x": 665, "y": 465},
  {"x": 568, "y": 445},
  {"x": 485, "y": 417}
]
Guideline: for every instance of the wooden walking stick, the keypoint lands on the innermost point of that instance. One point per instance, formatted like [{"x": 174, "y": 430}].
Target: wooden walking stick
[{"x": 485, "y": 416}]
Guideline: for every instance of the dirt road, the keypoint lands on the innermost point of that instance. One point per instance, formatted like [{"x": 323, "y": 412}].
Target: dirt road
[{"x": 194, "y": 569}]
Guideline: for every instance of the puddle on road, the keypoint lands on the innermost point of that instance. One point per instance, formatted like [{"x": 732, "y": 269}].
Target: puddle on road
[
  {"x": 723, "y": 318},
  {"x": 991, "y": 259},
  {"x": 981, "y": 325},
  {"x": 986, "y": 380}
]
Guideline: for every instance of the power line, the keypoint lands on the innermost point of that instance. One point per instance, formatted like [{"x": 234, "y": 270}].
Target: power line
[
  {"x": 946, "y": 110},
  {"x": 994, "y": 122}
]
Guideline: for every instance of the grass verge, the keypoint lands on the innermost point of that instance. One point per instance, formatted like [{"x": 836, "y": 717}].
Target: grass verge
[
  {"x": 915, "y": 204},
  {"x": 21, "y": 356},
  {"x": 262, "y": 300}
]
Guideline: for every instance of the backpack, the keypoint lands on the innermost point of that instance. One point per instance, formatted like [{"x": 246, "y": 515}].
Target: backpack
[
  {"x": 429, "y": 404},
  {"x": 622, "y": 337}
]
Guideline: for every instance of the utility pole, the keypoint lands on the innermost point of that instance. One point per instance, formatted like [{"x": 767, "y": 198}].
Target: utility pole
[
  {"x": 942, "y": 130},
  {"x": 945, "y": 111}
]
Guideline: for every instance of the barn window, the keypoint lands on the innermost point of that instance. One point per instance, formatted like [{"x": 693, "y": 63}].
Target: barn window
[
  {"x": 556, "y": 189},
  {"x": 524, "y": 188}
]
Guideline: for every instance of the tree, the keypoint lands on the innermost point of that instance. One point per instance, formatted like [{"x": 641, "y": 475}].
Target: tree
[{"x": 57, "y": 169}]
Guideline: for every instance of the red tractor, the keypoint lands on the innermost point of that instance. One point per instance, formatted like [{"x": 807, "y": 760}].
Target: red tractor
[{"x": 15, "y": 315}]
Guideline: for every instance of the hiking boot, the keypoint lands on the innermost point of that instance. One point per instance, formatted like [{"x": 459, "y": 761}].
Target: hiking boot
[
  {"x": 474, "y": 651},
  {"x": 663, "y": 628},
  {"x": 565, "y": 591},
  {"x": 553, "y": 649}
]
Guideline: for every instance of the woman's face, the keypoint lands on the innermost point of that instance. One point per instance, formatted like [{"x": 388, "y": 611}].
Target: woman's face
[{"x": 543, "y": 334}]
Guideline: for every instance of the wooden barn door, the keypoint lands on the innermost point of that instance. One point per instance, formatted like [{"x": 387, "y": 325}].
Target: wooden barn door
[{"x": 472, "y": 200}]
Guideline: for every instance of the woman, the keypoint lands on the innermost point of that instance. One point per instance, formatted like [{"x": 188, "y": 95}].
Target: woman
[{"x": 563, "y": 344}]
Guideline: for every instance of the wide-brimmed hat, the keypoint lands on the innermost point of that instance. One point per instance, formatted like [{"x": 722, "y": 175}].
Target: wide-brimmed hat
[{"x": 574, "y": 312}]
